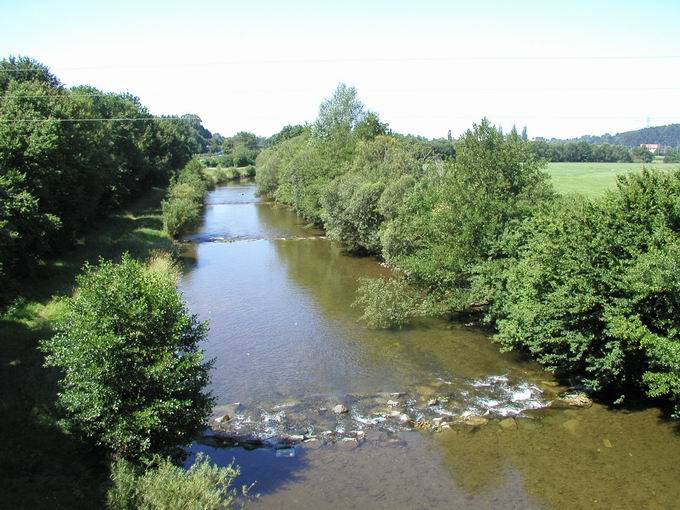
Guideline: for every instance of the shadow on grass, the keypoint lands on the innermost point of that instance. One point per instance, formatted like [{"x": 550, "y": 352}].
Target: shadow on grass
[{"x": 42, "y": 466}]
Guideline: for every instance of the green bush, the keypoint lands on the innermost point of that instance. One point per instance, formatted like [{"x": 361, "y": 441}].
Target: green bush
[
  {"x": 591, "y": 288},
  {"x": 133, "y": 375},
  {"x": 451, "y": 220},
  {"x": 246, "y": 171},
  {"x": 184, "y": 203},
  {"x": 166, "y": 486},
  {"x": 387, "y": 302}
]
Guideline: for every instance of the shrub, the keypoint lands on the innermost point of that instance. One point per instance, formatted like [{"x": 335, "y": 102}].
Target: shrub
[
  {"x": 166, "y": 486},
  {"x": 182, "y": 208},
  {"x": 132, "y": 372},
  {"x": 592, "y": 288},
  {"x": 387, "y": 302},
  {"x": 246, "y": 171}
]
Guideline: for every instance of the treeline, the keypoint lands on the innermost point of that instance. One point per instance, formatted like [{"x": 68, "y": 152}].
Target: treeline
[
  {"x": 668, "y": 136},
  {"x": 588, "y": 288},
  {"x": 582, "y": 151},
  {"x": 64, "y": 163}
]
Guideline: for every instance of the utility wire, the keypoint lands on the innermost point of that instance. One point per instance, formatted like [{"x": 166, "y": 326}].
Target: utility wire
[
  {"x": 453, "y": 58},
  {"x": 426, "y": 90}
]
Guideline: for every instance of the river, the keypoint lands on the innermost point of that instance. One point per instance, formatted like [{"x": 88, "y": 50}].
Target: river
[{"x": 288, "y": 348}]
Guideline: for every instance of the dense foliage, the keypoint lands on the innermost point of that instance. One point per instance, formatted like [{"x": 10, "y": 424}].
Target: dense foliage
[
  {"x": 586, "y": 152},
  {"x": 166, "y": 486},
  {"x": 133, "y": 375},
  {"x": 589, "y": 288},
  {"x": 668, "y": 135},
  {"x": 62, "y": 167},
  {"x": 183, "y": 206}
]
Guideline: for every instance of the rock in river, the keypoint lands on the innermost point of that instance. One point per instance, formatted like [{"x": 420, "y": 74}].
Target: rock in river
[
  {"x": 340, "y": 409},
  {"x": 572, "y": 400}
]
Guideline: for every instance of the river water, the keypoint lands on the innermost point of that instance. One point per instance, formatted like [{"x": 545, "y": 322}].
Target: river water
[{"x": 288, "y": 348}]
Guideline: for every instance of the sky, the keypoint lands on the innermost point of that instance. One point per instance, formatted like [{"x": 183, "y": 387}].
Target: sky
[{"x": 563, "y": 69}]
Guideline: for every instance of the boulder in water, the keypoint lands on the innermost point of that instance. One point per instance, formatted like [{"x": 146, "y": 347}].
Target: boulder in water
[
  {"x": 340, "y": 409},
  {"x": 572, "y": 400}
]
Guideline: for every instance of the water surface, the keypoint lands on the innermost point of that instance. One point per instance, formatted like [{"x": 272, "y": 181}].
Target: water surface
[{"x": 286, "y": 343}]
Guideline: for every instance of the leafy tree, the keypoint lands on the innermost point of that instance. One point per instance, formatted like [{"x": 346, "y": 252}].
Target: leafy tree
[
  {"x": 452, "y": 219},
  {"x": 133, "y": 375},
  {"x": 289, "y": 131},
  {"x": 387, "y": 302},
  {"x": 339, "y": 114}
]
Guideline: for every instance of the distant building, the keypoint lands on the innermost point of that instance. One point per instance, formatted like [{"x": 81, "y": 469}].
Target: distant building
[{"x": 651, "y": 147}]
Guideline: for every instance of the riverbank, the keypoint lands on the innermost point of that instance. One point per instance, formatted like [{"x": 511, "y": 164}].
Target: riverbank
[{"x": 43, "y": 465}]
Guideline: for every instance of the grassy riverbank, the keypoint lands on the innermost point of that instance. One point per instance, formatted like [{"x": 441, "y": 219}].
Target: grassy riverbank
[
  {"x": 593, "y": 179},
  {"x": 42, "y": 465}
]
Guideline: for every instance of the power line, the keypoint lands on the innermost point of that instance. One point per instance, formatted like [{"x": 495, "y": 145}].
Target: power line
[
  {"x": 114, "y": 119},
  {"x": 452, "y": 58},
  {"x": 405, "y": 90}
]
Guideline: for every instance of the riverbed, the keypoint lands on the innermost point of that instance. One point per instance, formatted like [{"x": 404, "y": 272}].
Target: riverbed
[{"x": 431, "y": 416}]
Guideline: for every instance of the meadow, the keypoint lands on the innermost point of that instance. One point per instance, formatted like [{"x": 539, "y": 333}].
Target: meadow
[{"x": 593, "y": 179}]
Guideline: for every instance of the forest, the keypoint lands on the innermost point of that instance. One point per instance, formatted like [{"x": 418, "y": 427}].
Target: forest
[
  {"x": 588, "y": 287},
  {"x": 63, "y": 169}
]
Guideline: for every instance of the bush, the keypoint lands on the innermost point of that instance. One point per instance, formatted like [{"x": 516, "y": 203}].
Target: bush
[
  {"x": 132, "y": 372},
  {"x": 592, "y": 288},
  {"x": 387, "y": 302},
  {"x": 166, "y": 486},
  {"x": 182, "y": 208},
  {"x": 246, "y": 171},
  {"x": 451, "y": 220}
]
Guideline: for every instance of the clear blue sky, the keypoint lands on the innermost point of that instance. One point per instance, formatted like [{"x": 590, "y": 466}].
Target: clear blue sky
[{"x": 425, "y": 67}]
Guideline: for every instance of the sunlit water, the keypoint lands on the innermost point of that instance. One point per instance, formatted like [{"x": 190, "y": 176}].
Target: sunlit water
[{"x": 288, "y": 347}]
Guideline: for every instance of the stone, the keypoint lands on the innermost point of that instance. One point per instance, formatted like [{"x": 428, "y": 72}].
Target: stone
[
  {"x": 392, "y": 403},
  {"x": 293, "y": 438},
  {"x": 471, "y": 422},
  {"x": 572, "y": 400},
  {"x": 508, "y": 424},
  {"x": 312, "y": 444},
  {"x": 437, "y": 422},
  {"x": 571, "y": 425},
  {"x": 404, "y": 418},
  {"x": 223, "y": 419},
  {"x": 349, "y": 443},
  {"x": 340, "y": 409}
]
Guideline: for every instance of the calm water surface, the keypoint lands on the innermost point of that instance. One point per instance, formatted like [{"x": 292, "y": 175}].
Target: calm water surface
[{"x": 284, "y": 336}]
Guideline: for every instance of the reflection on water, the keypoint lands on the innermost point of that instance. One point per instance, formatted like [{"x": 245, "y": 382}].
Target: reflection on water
[{"x": 281, "y": 328}]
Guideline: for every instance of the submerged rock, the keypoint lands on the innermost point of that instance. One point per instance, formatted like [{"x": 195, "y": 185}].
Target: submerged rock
[
  {"x": 349, "y": 443},
  {"x": 471, "y": 422},
  {"x": 508, "y": 424}
]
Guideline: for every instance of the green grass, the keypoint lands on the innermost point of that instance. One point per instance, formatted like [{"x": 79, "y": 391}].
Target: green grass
[
  {"x": 42, "y": 466},
  {"x": 593, "y": 179}
]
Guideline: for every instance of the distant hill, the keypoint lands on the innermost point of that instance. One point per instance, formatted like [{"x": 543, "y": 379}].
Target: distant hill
[{"x": 665, "y": 135}]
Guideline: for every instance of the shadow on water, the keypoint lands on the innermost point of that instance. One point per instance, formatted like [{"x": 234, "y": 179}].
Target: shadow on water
[{"x": 266, "y": 469}]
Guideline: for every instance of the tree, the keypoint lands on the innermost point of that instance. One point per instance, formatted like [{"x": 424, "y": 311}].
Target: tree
[
  {"x": 339, "y": 113},
  {"x": 133, "y": 376}
]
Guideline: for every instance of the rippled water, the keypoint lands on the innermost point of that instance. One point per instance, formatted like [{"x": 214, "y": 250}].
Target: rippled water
[{"x": 288, "y": 347}]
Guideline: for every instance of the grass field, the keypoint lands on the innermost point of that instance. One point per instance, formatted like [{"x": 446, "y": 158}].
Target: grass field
[
  {"x": 42, "y": 465},
  {"x": 593, "y": 179}
]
